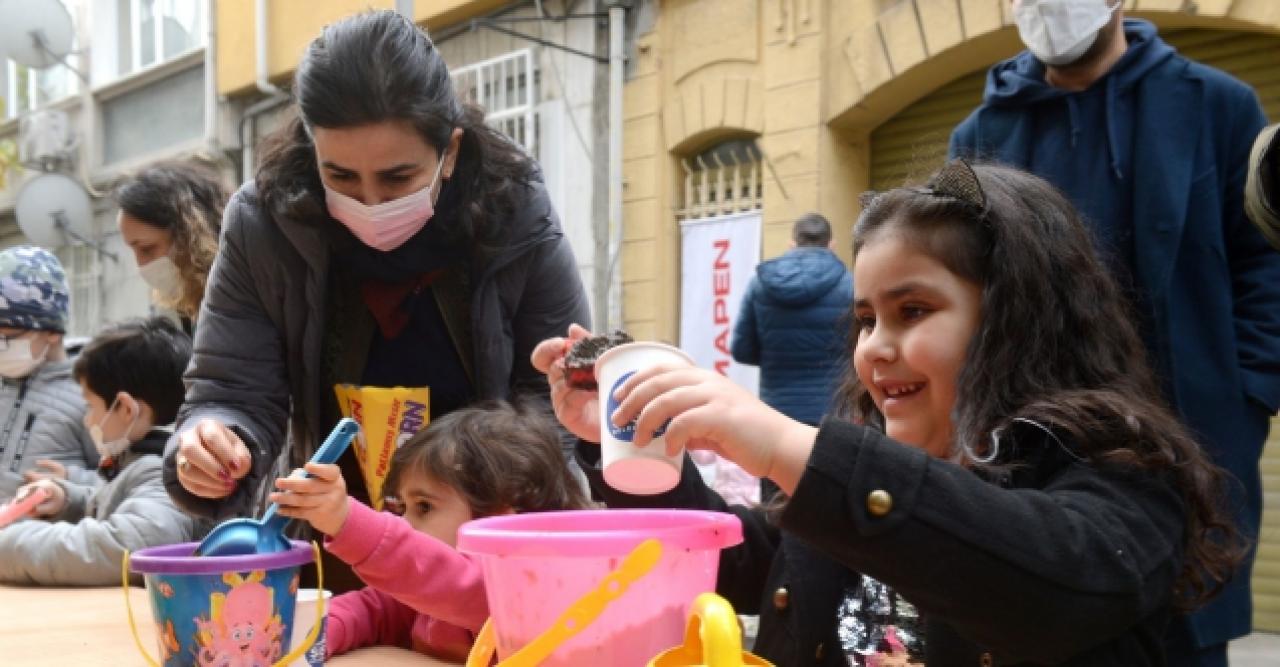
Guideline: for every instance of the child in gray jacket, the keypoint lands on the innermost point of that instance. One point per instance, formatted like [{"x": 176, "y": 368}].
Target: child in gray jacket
[
  {"x": 131, "y": 378},
  {"x": 40, "y": 409}
]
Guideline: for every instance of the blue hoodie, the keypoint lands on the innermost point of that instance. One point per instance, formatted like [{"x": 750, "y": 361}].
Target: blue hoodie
[
  {"x": 1155, "y": 155},
  {"x": 790, "y": 324},
  {"x": 1092, "y": 126}
]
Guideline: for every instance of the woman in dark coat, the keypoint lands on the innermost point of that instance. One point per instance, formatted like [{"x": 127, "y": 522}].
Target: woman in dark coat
[{"x": 391, "y": 238}]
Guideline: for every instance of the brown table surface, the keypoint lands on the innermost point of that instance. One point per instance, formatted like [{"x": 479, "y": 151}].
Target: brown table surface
[{"x": 88, "y": 626}]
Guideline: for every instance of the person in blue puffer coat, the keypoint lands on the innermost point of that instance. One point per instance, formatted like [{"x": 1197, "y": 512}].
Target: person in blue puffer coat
[{"x": 792, "y": 322}]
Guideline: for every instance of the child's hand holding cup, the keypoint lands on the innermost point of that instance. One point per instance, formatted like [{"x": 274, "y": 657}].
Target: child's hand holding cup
[{"x": 644, "y": 470}]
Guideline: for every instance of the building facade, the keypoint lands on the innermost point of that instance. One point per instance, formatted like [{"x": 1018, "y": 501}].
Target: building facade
[
  {"x": 139, "y": 92},
  {"x": 154, "y": 91}
]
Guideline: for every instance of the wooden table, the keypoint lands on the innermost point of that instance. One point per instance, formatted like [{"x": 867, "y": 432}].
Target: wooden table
[{"x": 88, "y": 626}]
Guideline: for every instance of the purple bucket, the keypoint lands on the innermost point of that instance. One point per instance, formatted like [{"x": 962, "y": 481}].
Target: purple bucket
[{"x": 222, "y": 610}]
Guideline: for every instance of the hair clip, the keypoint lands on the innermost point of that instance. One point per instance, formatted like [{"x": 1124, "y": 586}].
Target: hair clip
[{"x": 958, "y": 181}]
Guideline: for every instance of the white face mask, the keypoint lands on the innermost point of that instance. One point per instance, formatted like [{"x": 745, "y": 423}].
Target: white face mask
[
  {"x": 109, "y": 449},
  {"x": 16, "y": 360},
  {"x": 1058, "y": 32},
  {"x": 162, "y": 275},
  {"x": 388, "y": 225}
]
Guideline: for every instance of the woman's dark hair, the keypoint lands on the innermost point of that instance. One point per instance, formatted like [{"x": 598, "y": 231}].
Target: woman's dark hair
[
  {"x": 378, "y": 66},
  {"x": 185, "y": 199},
  {"x": 145, "y": 358},
  {"x": 1057, "y": 344},
  {"x": 497, "y": 456}
]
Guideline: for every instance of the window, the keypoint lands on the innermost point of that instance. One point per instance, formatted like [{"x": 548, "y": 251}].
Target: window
[
  {"x": 725, "y": 178},
  {"x": 153, "y": 31},
  {"x": 505, "y": 87},
  {"x": 26, "y": 89}
]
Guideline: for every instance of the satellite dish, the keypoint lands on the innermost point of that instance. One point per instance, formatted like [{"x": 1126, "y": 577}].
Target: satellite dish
[
  {"x": 35, "y": 33},
  {"x": 53, "y": 210}
]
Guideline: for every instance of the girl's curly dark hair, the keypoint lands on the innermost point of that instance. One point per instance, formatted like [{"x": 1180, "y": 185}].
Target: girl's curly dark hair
[{"x": 498, "y": 456}]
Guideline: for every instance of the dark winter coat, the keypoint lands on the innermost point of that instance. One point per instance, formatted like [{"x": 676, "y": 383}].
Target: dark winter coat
[
  {"x": 1056, "y": 563},
  {"x": 257, "y": 365},
  {"x": 1172, "y": 142},
  {"x": 793, "y": 324}
]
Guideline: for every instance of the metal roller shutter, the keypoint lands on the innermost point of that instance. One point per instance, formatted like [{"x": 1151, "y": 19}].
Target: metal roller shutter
[{"x": 914, "y": 142}]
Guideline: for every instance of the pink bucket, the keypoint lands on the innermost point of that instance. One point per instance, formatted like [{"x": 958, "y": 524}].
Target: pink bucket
[{"x": 536, "y": 565}]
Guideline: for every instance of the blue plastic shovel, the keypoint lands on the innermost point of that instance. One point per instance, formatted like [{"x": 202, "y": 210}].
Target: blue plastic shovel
[{"x": 239, "y": 537}]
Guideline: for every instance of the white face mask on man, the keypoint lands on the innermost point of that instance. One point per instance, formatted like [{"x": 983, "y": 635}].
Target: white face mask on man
[
  {"x": 388, "y": 225},
  {"x": 1059, "y": 32},
  {"x": 162, "y": 275},
  {"x": 16, "y": 359}
]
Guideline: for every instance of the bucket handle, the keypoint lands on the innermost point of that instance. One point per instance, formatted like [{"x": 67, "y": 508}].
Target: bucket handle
[
  {"x": 579, "y": 615},
  {"x": 297, "y": 651},
  {"x": 714, "y": 634}
]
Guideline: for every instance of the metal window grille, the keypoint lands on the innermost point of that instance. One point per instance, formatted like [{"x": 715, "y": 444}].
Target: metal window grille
[
  {"x": 726, "y": 179},
  {"x": 505, "y": 87}
]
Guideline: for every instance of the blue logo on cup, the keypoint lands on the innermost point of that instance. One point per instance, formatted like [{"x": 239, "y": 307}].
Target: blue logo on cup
[{"x": 626, "y": 432}]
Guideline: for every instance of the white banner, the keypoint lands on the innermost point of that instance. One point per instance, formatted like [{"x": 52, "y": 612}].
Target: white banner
[{"x": 718, "y": 259}]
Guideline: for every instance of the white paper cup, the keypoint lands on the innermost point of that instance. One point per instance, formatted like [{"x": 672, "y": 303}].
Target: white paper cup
[
  {"x": 639, "y": 470},
  {"x": 304, "y": 617}
]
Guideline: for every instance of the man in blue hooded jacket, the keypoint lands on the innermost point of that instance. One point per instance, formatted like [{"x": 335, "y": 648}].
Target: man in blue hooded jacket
[
  {"x": 1153, "y": 149},
  {"x": 789, "y": 323}
]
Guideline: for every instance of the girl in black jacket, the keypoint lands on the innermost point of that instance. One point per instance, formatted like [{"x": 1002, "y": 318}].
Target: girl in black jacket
[{"x": 1009, "y": 489}]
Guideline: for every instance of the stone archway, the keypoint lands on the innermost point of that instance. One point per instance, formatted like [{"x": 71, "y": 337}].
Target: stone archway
[{"x": 913, "y": 47}]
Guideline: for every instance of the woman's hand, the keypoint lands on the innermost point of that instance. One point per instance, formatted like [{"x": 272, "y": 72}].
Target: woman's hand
[
  {"x": 211, "y": 459},
  {"x": 320, "y": 500},
  {"x": 52, "y": 505},
  {"x": 577, "y": 409},
  {"x": 708, "y": 411}
]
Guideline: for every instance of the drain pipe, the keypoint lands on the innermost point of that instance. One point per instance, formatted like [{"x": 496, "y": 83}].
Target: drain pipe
[
  {"x": 276, "y": 97},
  {"x": 617, "y": 60},
  {"x": 262, "y": 36},
  {"x": 211, "y": 79}
]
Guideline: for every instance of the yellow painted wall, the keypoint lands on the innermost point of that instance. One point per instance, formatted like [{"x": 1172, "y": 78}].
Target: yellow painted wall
[
  {"x": 811, "y": 79},
  {"x": 711, "y": 69},
  {"x": 294, "y": 23}
]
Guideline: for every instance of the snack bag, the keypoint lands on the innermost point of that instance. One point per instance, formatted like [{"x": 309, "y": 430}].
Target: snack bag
[{"x": 388, "y": 416}]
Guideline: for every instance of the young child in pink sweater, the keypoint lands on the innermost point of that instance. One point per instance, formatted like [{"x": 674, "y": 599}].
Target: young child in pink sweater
[{"x": 422, "y": 594}]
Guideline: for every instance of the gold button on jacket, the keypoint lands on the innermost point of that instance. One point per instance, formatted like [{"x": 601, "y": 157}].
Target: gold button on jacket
[
  {"x": 879, "y": 502},
  {"x": 781, "y": 598}
]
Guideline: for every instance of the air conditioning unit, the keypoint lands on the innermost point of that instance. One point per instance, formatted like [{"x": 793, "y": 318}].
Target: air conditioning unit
[{"x": 45, "y": 137}]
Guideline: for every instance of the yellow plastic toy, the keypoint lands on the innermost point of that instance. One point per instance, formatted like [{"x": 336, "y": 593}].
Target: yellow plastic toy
[{"x": 713, "y": 638}]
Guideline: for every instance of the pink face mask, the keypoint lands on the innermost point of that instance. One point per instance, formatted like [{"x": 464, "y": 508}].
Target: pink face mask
[{"x": 388, "y": 225}]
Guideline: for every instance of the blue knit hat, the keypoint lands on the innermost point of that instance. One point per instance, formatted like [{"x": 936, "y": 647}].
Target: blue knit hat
[{"x": 33, "y": 290}]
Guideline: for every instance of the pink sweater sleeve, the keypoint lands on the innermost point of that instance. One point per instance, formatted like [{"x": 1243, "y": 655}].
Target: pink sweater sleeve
[
  {"x": 415, "y": 569},
  {"x": 366, "y": 617}
]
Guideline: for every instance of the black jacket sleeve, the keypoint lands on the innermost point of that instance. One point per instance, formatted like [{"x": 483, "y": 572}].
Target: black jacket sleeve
[{"x": 1034, "y": 574}]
